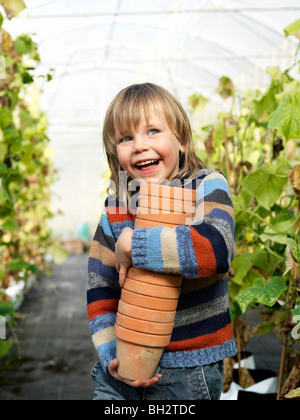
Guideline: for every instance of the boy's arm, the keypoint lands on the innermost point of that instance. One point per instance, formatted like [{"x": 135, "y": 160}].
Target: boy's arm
[
  {"x": 103, "y": 291},
  {"x": 203, "y": 249},
  {"x": 103, "y": 296}
]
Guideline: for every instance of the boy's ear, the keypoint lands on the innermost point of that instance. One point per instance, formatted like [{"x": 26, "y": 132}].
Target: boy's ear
[{"x": 181, "y": 147}]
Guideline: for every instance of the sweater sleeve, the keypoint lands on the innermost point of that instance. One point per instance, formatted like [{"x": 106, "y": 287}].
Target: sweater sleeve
[
  {"x": 204, "y": 248},
  {"x": 103, "y": 291}
]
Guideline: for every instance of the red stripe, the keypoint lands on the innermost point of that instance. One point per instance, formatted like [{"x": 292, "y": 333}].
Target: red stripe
[
  {"x": 205, "y": 254},
  {"x": 116, "y": 215},
  {"x": 95, "y": 309},
  {"x": 209, "y": 340}
]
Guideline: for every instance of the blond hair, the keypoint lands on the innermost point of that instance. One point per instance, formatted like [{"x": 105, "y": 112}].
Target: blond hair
[{"x": 124, "y": 114}]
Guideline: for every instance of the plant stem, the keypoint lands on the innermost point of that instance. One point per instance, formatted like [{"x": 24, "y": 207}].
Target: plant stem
[
  {"x": 281, "y": 370},
  {"x": 238, "y": 343},
  {"x": 295, "y": 60},
  {"x": 298, "y": 221},
  {"x": 226, "y": 151},
  {"x": 273, "y": 252}
]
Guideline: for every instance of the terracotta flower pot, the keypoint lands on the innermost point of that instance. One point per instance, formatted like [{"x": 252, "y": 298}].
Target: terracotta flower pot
[
  {"x": 139, "y": 325},
  {"x": 145, "y": 276},
  {"x": 170, "y": 218},
  {"x": 145, "y": 313},
  {"x": 152, "y": 290},
  {"x": 142, "y": 339},
  {"x": 136, "y": 361},
  {"x": 149, "y": 224},
  {"x": 156, "y": 190},
  {"x": 165, "y": 205},
  {"x": 148, "y": 303}
]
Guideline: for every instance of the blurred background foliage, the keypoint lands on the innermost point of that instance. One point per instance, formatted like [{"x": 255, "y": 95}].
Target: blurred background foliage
[
  {"x": 256, "y": 145},
  {"x": 26, "y": 168}
]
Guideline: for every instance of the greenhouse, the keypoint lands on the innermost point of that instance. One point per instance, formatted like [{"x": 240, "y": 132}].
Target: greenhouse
[{"x": 234, "y": 67}]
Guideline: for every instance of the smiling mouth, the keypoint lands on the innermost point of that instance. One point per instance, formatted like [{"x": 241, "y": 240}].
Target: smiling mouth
[{"x": 147, "y": 165}]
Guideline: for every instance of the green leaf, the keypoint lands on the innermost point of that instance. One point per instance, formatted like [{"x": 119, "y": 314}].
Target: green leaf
[
  {"x": 293, "y": 29},
  {"x": 265, "y": 328},
  {"x": 243, "y": 263},
  {"x": 27, "y": 78},
  {"x": 196, "y": 101},
  {"x": 294, "y": 394},
  {"x": 230, "y": 125},
  {"x": 226, "y": 87},
  {"x": 286, "y": 117},
  {"x": 263, "y": 107},
  {"x": 267, "y": 182},
  {"x": 58, "y": 252},
  {"x": 264, "y": 292},
  {"x": 5, "y": 345},
  {"x": 6, "y": 308},
  {"x": 13, "y": 7},
  {"x": 10, "y": 225},
  {"x": 1, "y": 20},
  {"x": 19, "y": 265},
  {"x": 296, "y": 311},
  {"x": 285, "y": 226},
  {"x": 271, "y": 235},
  {"x": 6, "y": 117}
]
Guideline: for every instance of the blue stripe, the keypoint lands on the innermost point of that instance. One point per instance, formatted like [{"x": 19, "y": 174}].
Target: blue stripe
[
  {"x": 199, "y": 357},
  {"x": 199, "y": 297},
  {"x": 204, "y": 327},
  {"x": 107, "y": 352},
  {"x": 223, "y": 215},
  {"x": 117, "y": 227},
  {"x": 103, "y": 293},
  {"x": 186, "y": 253},
  {"x": 154, "y": 256},
  {"x": 104, "y": 223},
  {"x": 102, "y": 321},
  {"x": 211, "y": 185},
  {"x": 97, "y": 267}
]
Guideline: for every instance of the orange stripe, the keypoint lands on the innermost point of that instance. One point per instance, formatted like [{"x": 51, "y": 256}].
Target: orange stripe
[
  {"x": 120, "y": 211},
  {"x": 103, "y": 307},
  {"x": 205, "y": 254},
  {"x": 209, "y": 340}
]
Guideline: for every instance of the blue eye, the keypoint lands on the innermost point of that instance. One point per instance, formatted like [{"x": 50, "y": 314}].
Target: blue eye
[
  {"x": 153, "y": 131},
  {"x": 125, "y": 139}
]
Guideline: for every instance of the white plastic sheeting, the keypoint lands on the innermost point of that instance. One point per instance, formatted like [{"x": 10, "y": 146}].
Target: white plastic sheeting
[{"x": 97, "y": 47}]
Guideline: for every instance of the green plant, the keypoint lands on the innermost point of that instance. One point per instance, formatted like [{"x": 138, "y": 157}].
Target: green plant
[
  {"x": 256, "y": 145},
  {"x": 26, "y": 168}
]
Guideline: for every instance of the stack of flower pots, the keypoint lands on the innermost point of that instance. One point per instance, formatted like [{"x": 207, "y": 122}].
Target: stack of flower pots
[{"x": 148, "y": 303}]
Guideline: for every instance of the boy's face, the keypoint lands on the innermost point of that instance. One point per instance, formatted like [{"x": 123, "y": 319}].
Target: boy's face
[{"x": 151, "y": 151}]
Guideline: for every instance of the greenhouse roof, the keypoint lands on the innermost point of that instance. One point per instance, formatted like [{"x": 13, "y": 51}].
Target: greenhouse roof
[{"x": 97, "y": 47}]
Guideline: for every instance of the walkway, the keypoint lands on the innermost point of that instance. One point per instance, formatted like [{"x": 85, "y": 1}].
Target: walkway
[{"x": 57, "y": 353}]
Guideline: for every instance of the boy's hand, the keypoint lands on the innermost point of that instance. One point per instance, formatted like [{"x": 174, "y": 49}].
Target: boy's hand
[
  {"x": 123, "y": 254},
  {"x": 143, "y": 383}
]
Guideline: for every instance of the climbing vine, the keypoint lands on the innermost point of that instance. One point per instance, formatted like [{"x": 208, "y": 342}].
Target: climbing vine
[
  {"x": 26, "y": 168},
  {"x": 256, "y": 145}
]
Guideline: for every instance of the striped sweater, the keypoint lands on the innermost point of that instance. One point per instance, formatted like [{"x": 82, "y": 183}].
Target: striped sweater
[{"x": 201, "y": 253}]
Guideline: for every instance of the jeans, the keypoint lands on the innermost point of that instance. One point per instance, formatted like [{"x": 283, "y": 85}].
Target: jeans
[{"x": 196, "y": 383}]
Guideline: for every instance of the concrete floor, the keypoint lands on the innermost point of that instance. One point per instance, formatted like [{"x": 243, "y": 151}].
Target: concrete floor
[{"x": 56, "y": 352}]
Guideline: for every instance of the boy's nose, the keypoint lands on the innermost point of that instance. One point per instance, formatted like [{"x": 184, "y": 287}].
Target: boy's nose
[{"x": 140, "y": 144}]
